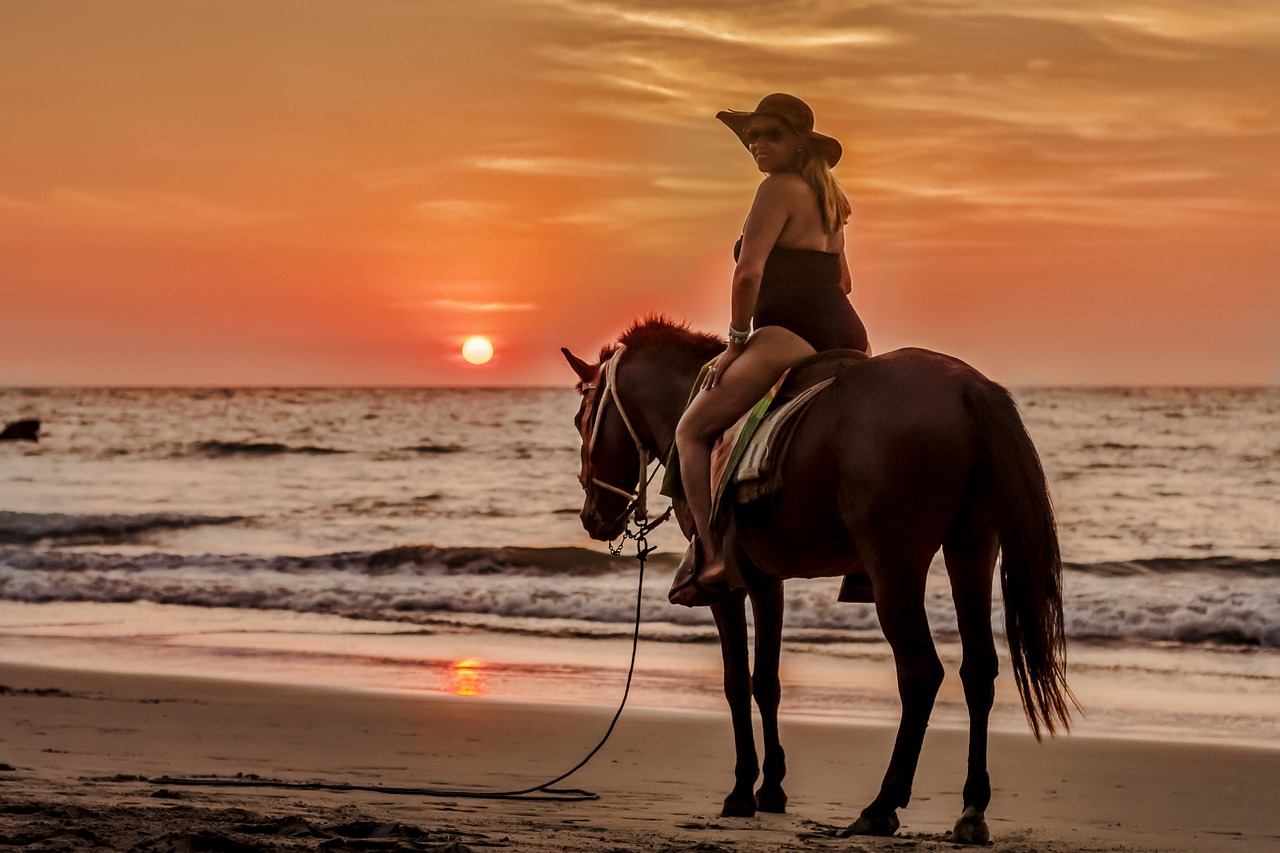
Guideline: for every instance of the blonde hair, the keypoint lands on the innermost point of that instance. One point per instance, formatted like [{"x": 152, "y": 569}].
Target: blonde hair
[{"x": 832, "y": 201}]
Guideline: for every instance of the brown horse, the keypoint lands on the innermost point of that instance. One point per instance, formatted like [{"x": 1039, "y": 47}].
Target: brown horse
[{"x": 906, "y": 453}]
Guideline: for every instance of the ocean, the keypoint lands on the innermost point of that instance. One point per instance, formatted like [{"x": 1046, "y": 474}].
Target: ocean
[{"x": 427, "y": 540}]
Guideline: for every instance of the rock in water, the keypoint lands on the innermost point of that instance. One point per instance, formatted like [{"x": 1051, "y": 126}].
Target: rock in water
[{"x": 21, "y": 431}]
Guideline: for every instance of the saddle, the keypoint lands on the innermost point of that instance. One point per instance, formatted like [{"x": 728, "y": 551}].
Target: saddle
[{"x": 746, "y": 459}]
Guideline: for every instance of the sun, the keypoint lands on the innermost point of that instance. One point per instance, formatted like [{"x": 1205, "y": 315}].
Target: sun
[{"x": 477, "y": 350}]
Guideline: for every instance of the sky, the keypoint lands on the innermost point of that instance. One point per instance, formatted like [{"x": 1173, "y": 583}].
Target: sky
[{"x": 312, "y": 192}]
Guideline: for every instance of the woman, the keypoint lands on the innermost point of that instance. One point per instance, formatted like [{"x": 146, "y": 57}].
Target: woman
[{"x": 791, "y": 282}]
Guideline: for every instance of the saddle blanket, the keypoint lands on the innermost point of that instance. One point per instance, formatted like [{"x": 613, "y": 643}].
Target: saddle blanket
[
  {"x": 743, "y": 457},
  {"x": 759, "y": 438},
  {"x": 745, "y": 460}
]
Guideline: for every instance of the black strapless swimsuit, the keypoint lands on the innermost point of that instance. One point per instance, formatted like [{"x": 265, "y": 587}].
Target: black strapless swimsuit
[{"x": 800, "y": 291}]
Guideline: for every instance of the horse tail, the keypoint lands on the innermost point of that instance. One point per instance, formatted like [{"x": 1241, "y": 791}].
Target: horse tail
[{"x": 1030, "y": 564}]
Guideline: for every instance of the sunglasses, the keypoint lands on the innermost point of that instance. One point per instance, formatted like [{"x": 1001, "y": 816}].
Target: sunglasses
[{"x": 768, "y": 134}]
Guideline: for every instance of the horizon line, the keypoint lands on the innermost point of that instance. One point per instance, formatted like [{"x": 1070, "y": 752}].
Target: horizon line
[{"x": 1093, "y": 386}]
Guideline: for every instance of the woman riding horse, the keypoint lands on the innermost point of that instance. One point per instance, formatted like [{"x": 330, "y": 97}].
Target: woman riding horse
[
  {"x": 903, "y": 455},
  {"x": 791, "y": 282}
]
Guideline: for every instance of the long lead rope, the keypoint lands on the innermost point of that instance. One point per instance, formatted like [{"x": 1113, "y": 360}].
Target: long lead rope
[{"x": 536, "y": 792}]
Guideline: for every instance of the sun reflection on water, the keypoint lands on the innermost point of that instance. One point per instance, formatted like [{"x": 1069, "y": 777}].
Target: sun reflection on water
[{"x": 466, "y": 678}]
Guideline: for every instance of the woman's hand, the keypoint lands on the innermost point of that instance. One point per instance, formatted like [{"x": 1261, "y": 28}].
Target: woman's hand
[{"x": 726, "y": 358}]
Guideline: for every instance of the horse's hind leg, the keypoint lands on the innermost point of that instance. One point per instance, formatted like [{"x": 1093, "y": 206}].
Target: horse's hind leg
[
  {"x": 899, "y": 594},
  {"x": 731, "y": 621},
  {"x": 970, "y": 565},
  {"x": 767, "y": 604}
]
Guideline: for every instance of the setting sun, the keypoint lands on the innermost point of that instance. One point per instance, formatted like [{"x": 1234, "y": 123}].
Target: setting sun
[
  {"x": 477, "y": 350},
  {"x": 465, "y": 678}
]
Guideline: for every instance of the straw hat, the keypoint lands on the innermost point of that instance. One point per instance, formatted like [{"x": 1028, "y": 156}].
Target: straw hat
[{"x": 795, "y": 113}]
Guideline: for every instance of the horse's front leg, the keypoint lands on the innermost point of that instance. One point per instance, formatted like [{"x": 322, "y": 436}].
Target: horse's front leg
[
  {"x": 766, "y": 604},
  {"x": 731, "y": 621}
]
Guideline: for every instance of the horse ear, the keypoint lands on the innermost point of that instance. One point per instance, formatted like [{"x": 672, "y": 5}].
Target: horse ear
[{"x": 586, "y": 372}]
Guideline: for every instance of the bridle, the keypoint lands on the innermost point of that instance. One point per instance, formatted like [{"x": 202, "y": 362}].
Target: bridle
[{"x": 606, "y": 385}]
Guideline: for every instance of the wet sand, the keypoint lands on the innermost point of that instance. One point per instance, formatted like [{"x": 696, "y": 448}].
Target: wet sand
[{"x": 77, "y": 750}]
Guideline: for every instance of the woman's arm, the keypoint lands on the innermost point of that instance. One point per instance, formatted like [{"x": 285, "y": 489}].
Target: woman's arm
[
  {"x": 846, "y": 278},
  {"x": 769, "y": 214}
]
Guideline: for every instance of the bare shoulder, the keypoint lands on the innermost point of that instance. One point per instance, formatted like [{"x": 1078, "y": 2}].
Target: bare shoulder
[
  {"x": 783, "y": 186},
  {"x": 782, "y": 194}
]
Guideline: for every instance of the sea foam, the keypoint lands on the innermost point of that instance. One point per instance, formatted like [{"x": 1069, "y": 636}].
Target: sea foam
[{"x": 1222, "y": 602}]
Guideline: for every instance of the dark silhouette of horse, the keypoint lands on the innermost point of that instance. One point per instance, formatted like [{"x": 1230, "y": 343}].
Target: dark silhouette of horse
[{"x": 905, "y": 453}]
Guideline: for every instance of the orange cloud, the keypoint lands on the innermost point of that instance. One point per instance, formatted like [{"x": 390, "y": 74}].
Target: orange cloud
[{"x": 1056, "y": 190}]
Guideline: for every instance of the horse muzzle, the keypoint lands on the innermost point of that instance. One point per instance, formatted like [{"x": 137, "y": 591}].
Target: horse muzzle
[{"x": 603, "y": 527}]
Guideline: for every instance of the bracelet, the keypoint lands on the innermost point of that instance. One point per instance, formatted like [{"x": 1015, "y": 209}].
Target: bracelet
[{"x": 737, "y": 336}]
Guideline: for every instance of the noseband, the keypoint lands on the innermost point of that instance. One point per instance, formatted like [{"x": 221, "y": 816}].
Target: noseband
[{"x": 636, "y": 499}]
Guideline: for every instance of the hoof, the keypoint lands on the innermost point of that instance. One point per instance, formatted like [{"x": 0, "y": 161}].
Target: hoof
[
  {"x": 773, "y": 801},
  {"x": 971, "y": 828},
  {"x": 885, "y": 824},
  {"x": 739, "y": 805}
]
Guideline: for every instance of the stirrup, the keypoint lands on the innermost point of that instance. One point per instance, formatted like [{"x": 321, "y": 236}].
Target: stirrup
[{"x": 704, "y": 595}]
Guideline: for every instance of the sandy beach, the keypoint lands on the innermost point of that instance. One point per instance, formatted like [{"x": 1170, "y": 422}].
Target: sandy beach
[{"x": 77, "y": 749}]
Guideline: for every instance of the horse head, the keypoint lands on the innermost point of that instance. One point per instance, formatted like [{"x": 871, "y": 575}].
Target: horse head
[{"x": 611, "y": 450}]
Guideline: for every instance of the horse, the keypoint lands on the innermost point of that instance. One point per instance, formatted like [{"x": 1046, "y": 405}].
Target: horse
[{"x": 906, "y": 453}]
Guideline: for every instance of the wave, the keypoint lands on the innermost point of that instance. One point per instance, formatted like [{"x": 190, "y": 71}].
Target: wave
[
  {"x": 1157, "y": 566},
  {"x": 375, "y": 505},
  {"x": 216, "y": 449},
  {"x": 219, "y": 449},
  {"x": 18, "y": 528},
  {"x": 1162, "y": 448},
  {"x": 408, "y": 584},
  {"x": 571, "y": 591},
  {"x": 410, "y": 560}
]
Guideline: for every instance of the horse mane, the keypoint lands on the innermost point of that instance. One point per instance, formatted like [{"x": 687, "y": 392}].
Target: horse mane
[{"x": 659, "y": 330}]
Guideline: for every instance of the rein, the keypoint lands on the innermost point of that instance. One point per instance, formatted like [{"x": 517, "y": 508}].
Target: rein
[
  {"x": 637, "y": 499},
  {"x": 535, "y": 792},
  {"x": 636, "y": 502}
]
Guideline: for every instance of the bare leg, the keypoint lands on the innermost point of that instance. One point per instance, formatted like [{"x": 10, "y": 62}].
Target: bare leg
[
  {"x": 767, "y": 355},
  {"x": 695, "y": 477}
]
